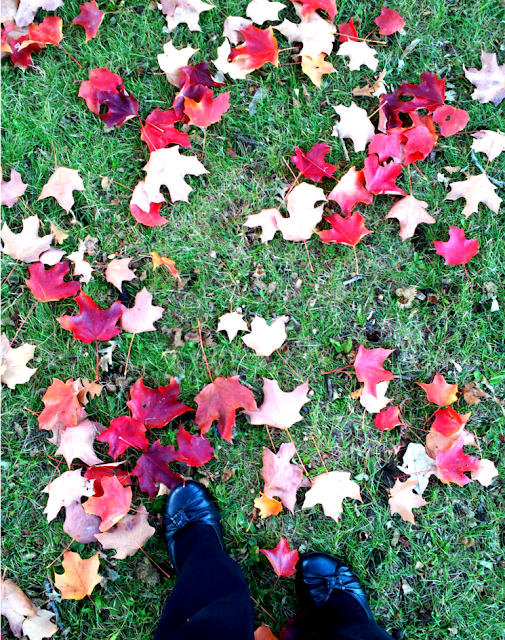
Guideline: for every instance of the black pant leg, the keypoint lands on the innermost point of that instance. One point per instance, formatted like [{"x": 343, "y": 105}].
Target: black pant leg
[
  {"x": 342, "y": 618},
  {"x": 210, "y": 600}
]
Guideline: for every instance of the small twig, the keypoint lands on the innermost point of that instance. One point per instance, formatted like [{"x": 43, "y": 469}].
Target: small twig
[
  {"x": 203, "y": 351},
  {"x": 10, "y": 272},
  {"x": 97, "y": 376},
  {"x": 356, "y": 259},
  {"x": 288, "y": 365},
  {"x": 270, "y": 436},
  {"x": 319, "y": 453},
  {"x": 410, "y": 180},
  {"x": 326, "y": 373},
  {"x": 420, "y": 172},
  {"x": 66, "y": 549},
  {"x": 127, "y": 355},
  {"x": 346, "y": 283},
  {"x": 398, "y": 40},
  {"x": 308, "y": 256},
  {"x": 204, "y": 141},
  {"x": 116, "y": 182},
  {"x": 264, "y": 610},
  {"x": 70, "y": 55},
  {"x": 22, "y": 324},
  {"x": 154, "y": 562}
]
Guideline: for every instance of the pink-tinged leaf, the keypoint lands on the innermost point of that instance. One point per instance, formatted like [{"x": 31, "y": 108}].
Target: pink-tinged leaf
[
  {"x": 124, "y": 432},
  {"x": 420, "y": 142},
  {"x": 311, "y": 6},
  {"x": 369, "y": 370},
  {"x": 453, "y": 463},
  {"x": 156, "y": 407},
  {"x": 312, "y": 163},
  {"x": 152, "y": 467},
  {"x": 350, "y": 190},
  {"x": 448, "y": 422},
  {"x": 389, "y": 21},
  {"x": 382, "y": 179},
  {"x": 159, "y": 131},
  {"x": 90, "y": 18},
  {"x": 388, "y": 145},
  {"x": 195, "y": 451},
  {"x": 144, "y": 211},
  {"x": 347, "y": 31},
  {"x": 388, "y": 419},
  {"x": 92, "y": 323},
  {"x": 345, "y": 230},
  {"x": 458, "y": 250},
  {"x": 450, "y": 119},
  {"x": 47, "y": 285},
  {"x": 282, "y": 558}
]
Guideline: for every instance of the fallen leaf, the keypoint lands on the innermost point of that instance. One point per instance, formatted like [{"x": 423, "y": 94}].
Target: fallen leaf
[
  {"x": 208, "y": 110},
  {"x": 61, "y": 185},
  {"x": 232, "y": 27},
  {"x": 282, "y": 558},
  {"x": 439, "y": 391},
  {"x": 232, "y": 323},
  {"x": 145, "y": 211},
  {"x": 142, "y": 316},
  {"x": 436, "y": 442},
  {"x": 264, "y": 633},
  {"x": 117, "y": 272},
  {"x": 129, "y": 535},
  {"x": 90, "y": 18},
  {"x": 184, "y": 11},
  {"x": 374, "y": 90},
  {"x": 39, "y": 626},
  {"x": 100, "y": 471},
  {"x": 61, "y": 404},
  {"x": 14, "y": 360},
  {"x": 309, "y": 7},
  {"x": 389, "y": 21},
  {"x": 457, "y": 250},
  {"x": 472, "y": 393},
  {"x": 12, "y": 190},
  {"x": 161, "y": 261},
  {"x": 260, "y": 47},
  {"x": 76, "y": 442},
  {"x": 381, "y": 179},
  {"x": 369, "y": 370},
  {"x": 52, "y": 256},
  {"x": 485, "y": 473},
  {"x": 219, "y": 401},
  {"x": 168, "y": 167},
  {"x": 489, "y": 82},
  {"x": 15, "y": 606},
  {"x": 28, "y": 8},
  {"x": 316, "y": 68},
  {"x": 354, "y": 124},
  {"x": 267, "y": 506},
  {"x": 79, "y": 525},
  {"x": 152, "y": 467},
  {"x": 47, "y": 285},
  {"x": 65, "y": 489},
  {"x": 26, "y": 246},
  {"x": 282, "y": 479},
  {"x": 347, "y": 231},
  {"x": 454, "y": 462},
  {"x": 374, "y": 403},
  {"x": 123, "y": 432},
  {"x": 329, "y": 489},
  {"x": 303, "y": 214},
  {"x": 388, "y": 419},
  {"x": 264, "y": 339},
  {"x": 316, "y": 34},
  {"x": 418, "y": 464},
  {"x": 172, "y": 60},
  {"x": 403, "y": 500},
  {"x": 106, "y": 89},
  {"x": 347, "y": 31},
  {"x": 112, "y": 505},
  {"x": 79, "y": 578},
  {"x": 475, "y": 190},
  {"x": 81, "y": 266},
  {"x": 359, "y": 54},
  {"x": 156, "y": 407},
  {"x": 449, "y": 422},
  {"x": 349, "y": 191},
  {"x": 450, "y": 119},
  {"x": 195, "y": 451},
  {"x": 261, "y": 11},
  {"x": 92, "y": 323},
  {"x": 492, "y": 143},
  {"x": 410, "y": 212},
  {"x": 280, "y": 409},
  {"x": 312, "y": 164},
  {"x": 234, "y": 69}
]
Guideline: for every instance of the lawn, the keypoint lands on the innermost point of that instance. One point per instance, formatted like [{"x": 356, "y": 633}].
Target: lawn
[{"x": 442, "y": 577}]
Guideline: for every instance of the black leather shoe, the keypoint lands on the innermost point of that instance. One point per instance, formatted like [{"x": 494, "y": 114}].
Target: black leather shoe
[
  {"x": 189, "y": 503},
  {"x": 319, "y": 574}
]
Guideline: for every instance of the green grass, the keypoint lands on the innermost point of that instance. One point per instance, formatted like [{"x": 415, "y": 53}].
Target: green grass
[{"x": 457, "y": 589}]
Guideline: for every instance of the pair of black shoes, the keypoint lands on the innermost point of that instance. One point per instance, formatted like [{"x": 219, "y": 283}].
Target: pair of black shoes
[{"x": 319, "y": 574}]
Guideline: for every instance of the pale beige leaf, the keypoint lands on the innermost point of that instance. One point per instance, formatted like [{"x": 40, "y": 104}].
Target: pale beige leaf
[
  {"x": 14, "y": 370},
  {"x": 354, "y": 124},
  {"x": 403, "y": 500},
  {"x": 261, "y": 11},
  {"x": 232, "y": 323},
  {"x": 234, "y": 69},
  {"x": 64, "y": 489},
  {"x": 303, "y": 214},
  {"x": 140, "y": 317},
  {"x": 168, "y": 167},
  {"x": 475, "y": 190},
  {"x": 172, "y": 59},
  {"x": 26, "y": 245},
  {"x": 316, "y": 68},
  {"x": 11, "y": 191},
  {"x": 117, "y": 272},
  {"x": 61, "y": 186},
  {"x": 280, "y": 409},
  {"x": 81, "y": 266},
  {"x": 59, "y": 235},
  {"x": 485, "y": 473},
  {"x": 92, "y": 389},
  {"x": 52, "y": 256},
  {"x": 267, "y": 220},
  {"x": 315, "y": 33},
  {"x": 359, "y": 54},
  {"x": 492, "y": 143},
  {"x": 129, "y": 535},
  {"x": 410, "y": 212},
  {"x": 418, "y": 464},
  {"x": 76, "y": 442},
  {"x": 15, "y": 606},
  {"x": 264, "y": 338},
  {"x": 28, "y": 8},
  {"x": 232, "y": 27},
  {"x": 184, "y": 11},
  {"x": 329, "y": 489},
  {"x": 39, "y": 625},
  {"x": 375, "y": 404},
  {"x": 489, "y": 82},
  {"x": 80, "y": 576}
]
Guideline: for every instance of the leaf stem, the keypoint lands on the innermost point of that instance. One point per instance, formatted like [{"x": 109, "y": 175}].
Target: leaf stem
[
  {"x": 203, "y": 350},
  {"x": 128, "y": 354},
  {"x": 296, "y": 451},
  {"x": 22, "y": 324}
]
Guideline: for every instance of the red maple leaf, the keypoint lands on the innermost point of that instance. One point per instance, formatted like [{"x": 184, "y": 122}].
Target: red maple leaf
[
  {"x": 457, "y": 250},
  {"x": 61, "y": 405},
  {"x": 193, "y": 83},
  {"x": 418, "y": 120},
  {"x": 124, "y": 432},
  {"x": 439, "y": 391},
  {"x": 382, "y": 179},
  {"x": 149, "y": 218},
  {"x": 453, "y": 463},
  {"x": 49, "y": 31},
  {"x": 350, "y": 190},
  {"x": 159, "y": 131},
  {"x": 428, "y": 94},
  {"x": 347, "y": 31},
  {"x": 219, "y": 401},
  {"x": 195, "y": 451},
  {"x": 389, "y": 21},
  {"x": 390, "y": 107},
  {"x": 282, "y": 558},
  {"x": 420, "y": 142},
  {"x": 368, "y": 366},
  {"x": 47, "y": 285},
  {"x": 450, "y": 119},
  {"x": 112, "y": 505},
  {"x": 152, "y": 467},
  {"x": 260, "y": 47},
  {"x": 208, "y": 109},
  {"x": 388, "y": 419},
  {"x": 344, "y": 230},
  {"x": 310, "y": 6},
  {"x": 156, "y": 407},
  {"x": 388, "y": 145},
  {"x": 448, "y": 422},
  {"x": 99, "y": 472},
  {"x": 106, "y": 88},
  {"x": 90, "y": 18},
  {"x": 92, "y": 323},
  {"x": 312, "y": 164}
]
